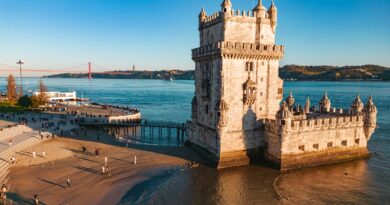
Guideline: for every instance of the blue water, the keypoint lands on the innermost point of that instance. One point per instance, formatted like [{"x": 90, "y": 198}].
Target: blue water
[{"x": 358, "y": 182}]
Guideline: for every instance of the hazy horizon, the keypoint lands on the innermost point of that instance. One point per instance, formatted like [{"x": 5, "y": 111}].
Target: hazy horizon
[{"x": 64, "y": 35}]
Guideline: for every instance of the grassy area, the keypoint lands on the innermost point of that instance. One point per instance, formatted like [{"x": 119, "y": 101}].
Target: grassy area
[{"x": 7, "y": 107}]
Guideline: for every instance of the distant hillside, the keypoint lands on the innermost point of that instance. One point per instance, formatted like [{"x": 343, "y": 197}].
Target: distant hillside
[
  {"x": 164, "y": 74},
  {"x": 288, "y": 72},
  {"x": 332, "y": 73}
]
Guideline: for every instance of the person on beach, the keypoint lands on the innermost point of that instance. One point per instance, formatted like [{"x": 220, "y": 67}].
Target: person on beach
[
  {"x": 10, "y": 142},
  {"x": 135, "y": 159},
  {"x": 84, "y": 149},
  {"x": 103, "y": 170},
  {"x": 34, "y": 155},
  {"x": 44, "y": 153},
  {"x": 105, "y": 161},
  {"x": 97, "y": 152},
  {"x": 13, "y": 160},
  {"x": 36, "y": 200},
  {"x": 68, "y": 183},
  {"x": 108, "y": 170},
  {"x": 4, "y": 188}
]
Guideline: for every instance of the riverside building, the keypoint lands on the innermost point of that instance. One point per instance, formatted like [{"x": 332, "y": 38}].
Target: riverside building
[{"x": 236, "y": 113}]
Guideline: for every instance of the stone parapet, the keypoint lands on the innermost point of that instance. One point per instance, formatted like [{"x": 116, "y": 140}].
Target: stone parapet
[
  {"x": 234, "y": 15},
  {"x": 308, "y": 125},
  {"x": 239, "y": 50}
]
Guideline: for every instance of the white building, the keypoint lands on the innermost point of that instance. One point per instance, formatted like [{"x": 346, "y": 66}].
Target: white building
[{"x": 59, "y": 96}]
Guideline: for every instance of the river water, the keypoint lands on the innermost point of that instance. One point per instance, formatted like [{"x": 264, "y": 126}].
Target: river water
[{"x": 358, "y": 182}]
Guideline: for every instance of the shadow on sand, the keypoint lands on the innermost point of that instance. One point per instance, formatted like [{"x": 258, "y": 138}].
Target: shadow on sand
[
  {"x": 17, "y": 199},
  {"x": 182, "y": 152},
  {"x": 52, "y": 183},
  {"x": 90, "y": 170}
]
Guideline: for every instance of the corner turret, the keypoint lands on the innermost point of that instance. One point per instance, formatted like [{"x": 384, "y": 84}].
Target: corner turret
[
  {"x": 273, "y": 15},
  {"x": 370, "y": 113},
  {"x": 221, "y": 108},
  {"x": 202, "y": 15},
  {"x": 290, "y": 101},
  {"x": 226, "y": 7},
  {"x": 325, "y": 103},
  {"x": 357, "y": 106},
  {"x": 259, "y": 10},
  {"x": 307, "y": 106},
  {"x": 283, "y": 118}
]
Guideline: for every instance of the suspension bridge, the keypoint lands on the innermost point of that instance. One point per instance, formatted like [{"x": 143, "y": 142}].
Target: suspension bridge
[{"x": 85, "y": 68}]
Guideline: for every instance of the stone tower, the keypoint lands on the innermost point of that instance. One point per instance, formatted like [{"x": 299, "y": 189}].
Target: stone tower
[{"x": 237, "y": 82}]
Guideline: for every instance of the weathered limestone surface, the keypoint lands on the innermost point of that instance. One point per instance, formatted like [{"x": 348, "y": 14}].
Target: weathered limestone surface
[{"x": 236, "y": 108}]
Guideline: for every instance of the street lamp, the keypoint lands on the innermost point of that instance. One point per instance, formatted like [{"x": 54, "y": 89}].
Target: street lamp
[{"x": 20, "y": 63}]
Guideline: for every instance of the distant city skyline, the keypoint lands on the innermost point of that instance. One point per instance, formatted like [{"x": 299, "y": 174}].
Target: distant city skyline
[{"x": 159, "y": 34}]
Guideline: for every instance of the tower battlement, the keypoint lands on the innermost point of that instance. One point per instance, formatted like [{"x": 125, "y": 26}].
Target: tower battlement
[{"x": 241, "y": 50}]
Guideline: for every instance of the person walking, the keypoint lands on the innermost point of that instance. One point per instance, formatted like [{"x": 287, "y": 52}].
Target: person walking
[
  {"x": 13, "y": 160},
  {"x": 10, "y": 142},
  {"x": 34, "y": 155},
  {"x": 105, "y": 161},
  {"x": 97, "y": 152},
  {"x": 103, "y": 170},
  {"x": 36, "y": 200},
  {"x": 68, "y": 183},
  {"x": 135, "y": 159},
  {"x": 44, "y": 153}
]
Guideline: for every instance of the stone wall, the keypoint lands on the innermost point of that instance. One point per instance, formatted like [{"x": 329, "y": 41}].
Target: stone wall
[{"x": 289, "y": 141}]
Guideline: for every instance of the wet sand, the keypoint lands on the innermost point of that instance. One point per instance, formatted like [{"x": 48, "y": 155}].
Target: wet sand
[{"x": 46, "y": 176}]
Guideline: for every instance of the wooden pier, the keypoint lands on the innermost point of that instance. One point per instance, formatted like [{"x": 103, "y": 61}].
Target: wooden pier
[{"x": 148, "y": 132}]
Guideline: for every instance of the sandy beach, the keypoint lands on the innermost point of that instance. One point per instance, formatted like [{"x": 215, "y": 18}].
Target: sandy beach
[{"x": 47, "y": 176}]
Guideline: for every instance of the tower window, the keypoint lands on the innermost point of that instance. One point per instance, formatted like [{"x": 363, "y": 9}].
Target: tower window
[
  {"x": 206, "y": 109},
  {"x": 315, "y": 146},
  {"x": 344, "y": 143},
  {"x": 249, "y": 66},
  {"x": 330, "y": 144},
  {"x": 302, "y": 147},
  {"x": 357, "y": 141},
  {"x": 280, "y": 91}
]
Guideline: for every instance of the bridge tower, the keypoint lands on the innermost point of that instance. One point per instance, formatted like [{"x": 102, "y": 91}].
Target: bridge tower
[{"x": 89, "y": 71}]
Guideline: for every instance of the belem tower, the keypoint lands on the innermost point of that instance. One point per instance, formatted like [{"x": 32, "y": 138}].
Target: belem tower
[{"x": 237, "y": 113}]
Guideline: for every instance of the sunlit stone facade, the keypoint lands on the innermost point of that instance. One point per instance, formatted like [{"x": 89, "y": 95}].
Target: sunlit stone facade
[{"x": 236, "y": 109}]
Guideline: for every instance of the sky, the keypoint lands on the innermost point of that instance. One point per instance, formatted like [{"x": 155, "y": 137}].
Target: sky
[{"x": 63, "y": 35}]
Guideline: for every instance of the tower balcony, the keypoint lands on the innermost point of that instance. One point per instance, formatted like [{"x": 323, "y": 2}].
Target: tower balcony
[{"x": 239, "y": 50}]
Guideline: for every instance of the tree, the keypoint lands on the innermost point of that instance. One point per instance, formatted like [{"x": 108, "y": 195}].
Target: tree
[
  {"x": 25, "y": 101},
  {"x": 42, "y": 97},
  {"x": 11, "y": 89}
]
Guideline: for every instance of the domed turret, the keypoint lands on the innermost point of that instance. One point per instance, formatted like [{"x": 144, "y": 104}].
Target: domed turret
[
  {"x": 290, "y": 101},
  {"x": 260, "y": 10},
  {"x": 226, "y": 7},
  {"x": 325, "y": 103},
  {"x": 273, "y": 15},
  {"x": 221, "y": 107},
  {"x": 284, "y": 112},
  {"x": 370, "y": 113},
  {"x": 370, "y": 107},
  {"x": 307, "y": 105},
  {"x": 357, "y": 106},
  {"x": 202, "y": 15}
]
